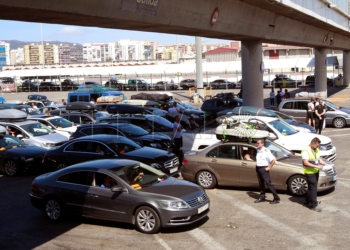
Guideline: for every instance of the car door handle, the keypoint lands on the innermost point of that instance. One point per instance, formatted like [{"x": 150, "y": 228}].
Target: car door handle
[
  {"x": 244, "y": 164},
  {"x": 214, "y": 160},
  {"x": 93, "y": 195}
]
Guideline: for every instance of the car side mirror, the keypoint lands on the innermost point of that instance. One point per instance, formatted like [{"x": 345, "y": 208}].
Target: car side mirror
[
  {"x": 20, "y": 137},
  {"x": 117, "y": 189},
  {"x": 272, "y": 136}
]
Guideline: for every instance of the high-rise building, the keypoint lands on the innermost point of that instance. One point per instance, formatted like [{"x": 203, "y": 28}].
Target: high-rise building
[
  {"x": 96, "y": 52},
  {"x": 4, "y": 54},
  {"x": 35, "y": 54},
  {"x": 17, "y": 56},
  {"x": 70, "y": 53}
]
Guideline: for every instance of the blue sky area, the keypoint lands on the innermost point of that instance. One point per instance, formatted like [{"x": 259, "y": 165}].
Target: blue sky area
[{"x": 25, "y": 31}]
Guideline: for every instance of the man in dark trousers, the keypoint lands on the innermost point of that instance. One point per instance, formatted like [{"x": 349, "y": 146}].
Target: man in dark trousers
[
  {"x": 320, "y": 115},
  {"x": 264, "y": 162},
  {"x": 177, "y": 129}
]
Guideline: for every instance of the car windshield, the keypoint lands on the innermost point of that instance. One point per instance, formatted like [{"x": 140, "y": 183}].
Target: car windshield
[
  {"x": 283, "y": 116},
  {"x": 279, "y": 152},
  {"x": 47, "y": 103},
  {"x": 36, "y": 129},
  {"x": 139, "y": 175},
  {"x": 132, "y": 130},
  {"x": 333, "y": 106},
  {"x": 282, "y": 127},
  {"x": 10, "y": 142},
  {"x": 160, "y": 121},
  {"x": 123, "y": 146},
  {"x": 61, "y": 123}
]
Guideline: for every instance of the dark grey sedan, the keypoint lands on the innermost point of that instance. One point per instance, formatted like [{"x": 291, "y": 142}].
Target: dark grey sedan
[{"x": 120, "y": 190}]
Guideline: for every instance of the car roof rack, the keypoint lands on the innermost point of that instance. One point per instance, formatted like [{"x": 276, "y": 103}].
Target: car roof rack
[
  {"x": 12, "y": 115},
  {"x": 122, "y": 108},
  {"x": 80, "y": 106},
  {"x": 37, "y": 97}
]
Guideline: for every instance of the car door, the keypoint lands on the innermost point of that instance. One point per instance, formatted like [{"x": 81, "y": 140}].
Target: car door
[
  {"x": 330, "y": 114},
  {"x": 73, "y": 190},
  {"x": 76, "y": 152},
  {"x": 224, "y": 163},
  {"x": 104, "y": 203},
  {"x": 300, "y": 110}
]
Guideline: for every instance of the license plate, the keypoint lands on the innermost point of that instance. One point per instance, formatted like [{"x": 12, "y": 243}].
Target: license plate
[
  {"x": 201, "y": 209},
  {"x": 334, "y": 178},
  {"x": 173, "y": 170}
]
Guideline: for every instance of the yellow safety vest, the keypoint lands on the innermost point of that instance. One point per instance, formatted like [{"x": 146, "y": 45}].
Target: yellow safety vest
[{"x": 313, "y": 157}]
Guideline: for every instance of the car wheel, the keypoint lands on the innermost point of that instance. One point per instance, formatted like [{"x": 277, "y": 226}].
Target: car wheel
[
  {"x": 156, "y": 88},
  {"x": 339, "y": 122},
  {"x": 172, "y": 87},
  {"x": 53, "y": 209},
  {"x": 297, "y": 185},
  {"x": 143, "y": 88},
  {"x": 11, "y": 168},
  {"x": 147, "y": 220},
  {"x": 206, "y": 179},
  {"x": 229, "y": 86},
  {"x": 60, "y": 165}
]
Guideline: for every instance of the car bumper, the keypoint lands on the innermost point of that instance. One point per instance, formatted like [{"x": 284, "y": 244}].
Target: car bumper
[
  {"x": 326, "y": 182},
  {"x": 171, "y": 218},
  {"x": 329, "y": 155},
  {"x": 188, "y": 176},
  {"x": 36, "y": 201}
]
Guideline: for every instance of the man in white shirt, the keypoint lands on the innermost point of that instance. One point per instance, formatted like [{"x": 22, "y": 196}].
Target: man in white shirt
[
  {"x": 172, "y": 109},
  {"x": 264, "y": 162}
]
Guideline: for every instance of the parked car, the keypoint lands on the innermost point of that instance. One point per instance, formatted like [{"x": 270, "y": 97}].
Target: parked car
[
  {"x": 338, "y": 117},
  {"x": 135, "y": 133},
  {"x": 7, "y": 80},
  {"x": 265, "y": 84},
  {"x": 22, "y": 107},
  {"x": 68, "y": 84},
  {"x": 115, "y": 83},
  {"x": 190, "y": 83},
  {"x": 222, "y": 84},
  {"x": 223, "y": 164},
  {"x": 310, "y": 81},
  {"x": 56, "y": 123},
  {"x": 141, "y": 84},
  {"x": 40, "y": 104},
  {"x": 163, "y": 85},
  {"x": 212, "y": 106},
  {"x": 153, "y": 202},
  {"x": 16, "y": 157},
  {"x": 28, "y": 85},
  {"x": 49, "y": 86},
  {"x": 278, "y": 82},
  {"x": 30, "y": 132},
  {"x": 106, "y": 146}
]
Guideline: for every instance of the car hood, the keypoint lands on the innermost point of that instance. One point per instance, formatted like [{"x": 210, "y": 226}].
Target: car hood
[
  {"x": 52, "y": 138},
  {"x": 301, "y": 126},
  {"x": 27, "y": 151},
  {"x": 177, "y": 188},
  {"x": 149, "y": 153},
  {"x": 346, "y": 110},
  {"x": 156, "y": 137},
  {"x": 303, "y": 137}
]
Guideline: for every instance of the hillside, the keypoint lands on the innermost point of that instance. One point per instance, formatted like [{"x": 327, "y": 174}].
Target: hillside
[{"x": 14, "y": 44}]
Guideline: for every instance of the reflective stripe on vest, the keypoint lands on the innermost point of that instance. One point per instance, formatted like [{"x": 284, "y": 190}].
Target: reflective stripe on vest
[{"x": 313, "y": 156}]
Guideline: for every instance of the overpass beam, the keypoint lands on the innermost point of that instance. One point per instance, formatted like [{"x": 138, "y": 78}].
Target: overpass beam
[
  {"x": 321, "y": 70},
  {"x": 252, "y": 77},
  {"x": 346, "y": 67}
]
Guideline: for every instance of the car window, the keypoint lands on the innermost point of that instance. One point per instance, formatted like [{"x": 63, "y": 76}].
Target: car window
[
  {"x": 132, "y": 130},
  {"x": 105, "y": 181},
  {"x": 80, "y": 177},
  {"x": 93, "y": 130},
  {"x": 80, "y": 146},
  {"x": 227, "y": 151},
  {"x": 301, "y": 105},
  {"x": 282, "y": 127},
  {"x": 96, "y": 148},
  {"x": 60, "y": 123},
  {"x": 72, "y": 118},
  {"x": 208, "y": 104},
  {"x": 279, "y": 152},
  {"x": 244, "y": 150},
  {"x": 10, "y": 142},
  {"x": 288, "y": 105},
  {"x": 37, "y": 129}
]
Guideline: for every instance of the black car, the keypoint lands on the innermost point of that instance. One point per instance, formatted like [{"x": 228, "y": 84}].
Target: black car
[
  {"x": 135, "y": 133},
  {"x": 115, "y": 83},
  {"x": 15, "y": 157},
  {"x": 213, "y": 106},
  {"x": 105, "y": 189},
  {"x": 28, "y": 85},
  {"x": 310, "y": 81},
  {"x": 96, "y": 147},
  {"x": 68, "y": 84},
  {"x": 49, "y": 86}
]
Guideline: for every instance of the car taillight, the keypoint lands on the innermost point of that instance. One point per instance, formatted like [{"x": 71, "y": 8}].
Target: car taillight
[
  {"x": 184, "y": 162},
  {"x": 34, "y": 186},
  {"x": 278, "y": 109}
]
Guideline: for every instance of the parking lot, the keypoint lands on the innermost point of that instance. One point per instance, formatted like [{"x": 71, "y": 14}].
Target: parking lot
[{"x": 235, "y": 221}]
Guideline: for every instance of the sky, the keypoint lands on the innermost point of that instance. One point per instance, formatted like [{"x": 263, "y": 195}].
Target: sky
[{"x": 31, "y": 32}]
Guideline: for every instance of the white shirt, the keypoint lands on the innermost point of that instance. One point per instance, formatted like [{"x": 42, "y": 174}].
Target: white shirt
[
  {"x": 177, "y": 134},
  {"x": 172, "y": 110},
  {"x": 310, "y": 106},
  {"x": 272, "y": 95},
  {"x": 281, "y": 93},
  {"x": 264, "y": 157}
]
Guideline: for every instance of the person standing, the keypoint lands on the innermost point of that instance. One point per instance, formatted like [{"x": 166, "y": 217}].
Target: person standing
[
  {"x": 264, "y": 162},
  {"x": 272, "y": 97},
  {"x": 310, "y": 112},
  {"x": 172, "y": 109},
  {"x": 312, "y": 163},
  {"x": 320, "y": 114},
  {"x": 177, "y": 129},
  {"x": 63, "y": 102},
  {"x": 286, "y": 94},
  {"x": 282, "y": 93},
  {"x": 278, "y": 98}
]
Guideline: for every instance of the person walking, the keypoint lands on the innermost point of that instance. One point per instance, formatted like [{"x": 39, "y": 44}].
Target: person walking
[
  {"x": 310, "y": 112},
  {"x": 312, "y": 163},
  {"x": 177, "y": 129},
  {"x": 286, "y": 94},
  {"x": 272, "y": 97},
  {"x": 320, "y": 114},
  {"x": 278, "y": 98},
  {"x": 264, "y": 162}
]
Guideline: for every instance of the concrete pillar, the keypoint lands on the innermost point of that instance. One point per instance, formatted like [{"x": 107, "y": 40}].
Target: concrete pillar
[
  {"x": 199, "y": 71},
  {"x": 321, "y": 70},
  {"x": 252, "y": 77},
  {"x": 346, "y": 68}
]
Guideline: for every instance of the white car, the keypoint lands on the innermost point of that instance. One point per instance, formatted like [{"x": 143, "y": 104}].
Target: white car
[
  {"x": 280, "y": 132},
  {"x": 57, "y": 123}
]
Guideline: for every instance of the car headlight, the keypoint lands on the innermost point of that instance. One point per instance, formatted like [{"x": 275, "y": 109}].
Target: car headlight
[
  {"x": 173, "y": 204},
  {"x": 322, "y": 173},
  {"x": 322, "y": 147},
  {"x": 155, "y": 145},
  {"x": 49, "y": 145}
]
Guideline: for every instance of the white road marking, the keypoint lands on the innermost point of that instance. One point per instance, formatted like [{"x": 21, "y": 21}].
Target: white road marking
[
  {"x": 338, "y": 135},
  {"x": 343, "y": 179},
  {"x": 304, "y": 239},
  {"x": 335, "y": 130},
  {"x": 205, "y": 239},
  {"x": 162, "y": 242}
]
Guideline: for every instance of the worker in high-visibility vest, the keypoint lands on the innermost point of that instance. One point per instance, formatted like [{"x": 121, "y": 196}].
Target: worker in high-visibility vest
[{"x": 312, "y": 163}]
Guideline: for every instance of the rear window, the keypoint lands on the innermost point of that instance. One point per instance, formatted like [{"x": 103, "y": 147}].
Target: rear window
[
  {"x": 81, "y": 178},
  {"x": 301, "y": 105},
  {"x": 288, "y": 105}
]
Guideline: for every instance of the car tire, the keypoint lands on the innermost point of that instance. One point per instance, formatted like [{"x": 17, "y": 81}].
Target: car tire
[
  {"x": 206, "y": 179},
  {"x": 143, "y": 88},
  {"x": 171, "y": 87},
  {"x": 11, "y": 168},
  {"x": 156, "y": 88},
  {"x": 339, "y": 122},
  {"x": 53, "y": 209},
  {"x": 147, "y": 220},
  {"x": 297, "y": 185},
  {"x": 229, "y": 86},
  {"x": 60, "y": 165}
]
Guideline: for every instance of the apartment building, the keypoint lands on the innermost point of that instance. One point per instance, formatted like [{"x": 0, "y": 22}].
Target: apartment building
[
  {"x": 17, "y": 56},
  {"x": 4, "y": 54},
  {"x": 36, "y": 54},
  {"x": 68, "y": 53}
]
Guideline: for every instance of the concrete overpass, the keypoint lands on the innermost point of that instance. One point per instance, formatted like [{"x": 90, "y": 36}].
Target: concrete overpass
[{"x": 316, "y": 23}]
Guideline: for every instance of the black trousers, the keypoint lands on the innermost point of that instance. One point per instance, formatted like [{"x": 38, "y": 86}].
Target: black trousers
[
  {"x": 272, "y": 101},
  {"x": 264, "y": 177},
  {"x": 311, "y": 193},
  {"x": 177, "y": 149},
  {"x": 319, "y": 125}
]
